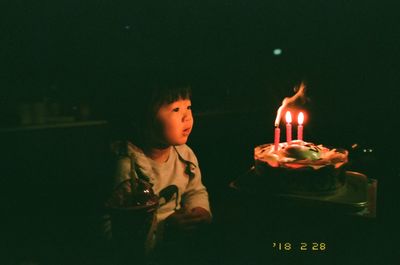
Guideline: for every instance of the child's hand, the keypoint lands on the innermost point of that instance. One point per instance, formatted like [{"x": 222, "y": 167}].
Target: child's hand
[{"x": 187, "y": 222}]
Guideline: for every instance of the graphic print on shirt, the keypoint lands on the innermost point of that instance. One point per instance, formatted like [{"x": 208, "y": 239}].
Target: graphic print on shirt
[{"x": 167, "y": 194}]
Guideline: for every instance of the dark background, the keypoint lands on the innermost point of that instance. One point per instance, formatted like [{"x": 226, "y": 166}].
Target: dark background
[
  {"x": 93, "y": 52},
  {"x": 346, "y": 52}
]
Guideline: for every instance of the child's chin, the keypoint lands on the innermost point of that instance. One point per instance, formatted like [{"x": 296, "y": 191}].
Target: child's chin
[{"x": 181, "y": 141}]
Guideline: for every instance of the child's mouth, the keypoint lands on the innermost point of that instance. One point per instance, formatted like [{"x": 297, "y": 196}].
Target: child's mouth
[{"x": 186, "y": 131}]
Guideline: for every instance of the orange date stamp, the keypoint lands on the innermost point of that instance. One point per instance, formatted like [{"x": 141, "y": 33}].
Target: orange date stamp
[{"x": 302, "y": 246}]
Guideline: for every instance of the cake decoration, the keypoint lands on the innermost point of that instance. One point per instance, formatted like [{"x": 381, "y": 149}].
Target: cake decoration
[{"x": 299, "y": 154}]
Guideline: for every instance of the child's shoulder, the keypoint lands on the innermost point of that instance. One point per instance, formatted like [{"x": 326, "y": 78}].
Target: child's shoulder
[
  {"x": 125, "y": 148},
  {"x": 186, "y": 153}
]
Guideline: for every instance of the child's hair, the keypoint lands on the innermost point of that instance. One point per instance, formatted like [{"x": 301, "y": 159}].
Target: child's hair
[{"x": 137, "y": 111}]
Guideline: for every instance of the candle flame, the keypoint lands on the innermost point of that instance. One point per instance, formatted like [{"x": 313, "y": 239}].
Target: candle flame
[
  {"x": 300, "y": 118},
  {"x": 288, "y": 117},
  {"x": 300, "y": 94}
]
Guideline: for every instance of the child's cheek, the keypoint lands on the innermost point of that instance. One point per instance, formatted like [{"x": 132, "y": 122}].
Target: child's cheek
[{"x": 169, "y": 133}]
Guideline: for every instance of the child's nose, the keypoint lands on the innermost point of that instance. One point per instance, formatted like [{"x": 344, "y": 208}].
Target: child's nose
[{"x": 187, "y": 116}]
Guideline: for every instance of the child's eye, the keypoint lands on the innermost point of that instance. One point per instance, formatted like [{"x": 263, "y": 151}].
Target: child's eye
[
  {"x": 175, "y": 110},
  {"x": 189, "y": 107}
]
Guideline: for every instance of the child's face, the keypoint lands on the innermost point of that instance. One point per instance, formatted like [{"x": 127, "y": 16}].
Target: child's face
[{"x": 175, "y": 122}]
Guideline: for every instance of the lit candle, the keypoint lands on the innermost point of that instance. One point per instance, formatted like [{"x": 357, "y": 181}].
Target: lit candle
[
  {"x": 277, "y": 137},
  {"x": 300, "y": 120},
  {"x": 288, "y": 127}
]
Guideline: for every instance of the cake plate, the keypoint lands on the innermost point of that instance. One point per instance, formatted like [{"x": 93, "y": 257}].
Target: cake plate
[{"x": 357, "y": 196}]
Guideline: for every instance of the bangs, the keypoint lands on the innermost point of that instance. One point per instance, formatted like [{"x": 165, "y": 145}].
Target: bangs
[{"x": 168, "y": 95}]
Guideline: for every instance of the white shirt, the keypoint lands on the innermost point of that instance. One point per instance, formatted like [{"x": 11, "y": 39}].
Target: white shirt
[
  {"x": 179, "y": 177},
  {"x": 177, "y": 182}
]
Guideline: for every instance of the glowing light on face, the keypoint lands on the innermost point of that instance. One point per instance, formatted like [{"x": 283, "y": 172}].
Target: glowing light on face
[{"x": 175, "y": 122}]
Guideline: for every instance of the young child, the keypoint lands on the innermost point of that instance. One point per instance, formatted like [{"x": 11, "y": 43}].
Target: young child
[{"x": 159, "y": 151}]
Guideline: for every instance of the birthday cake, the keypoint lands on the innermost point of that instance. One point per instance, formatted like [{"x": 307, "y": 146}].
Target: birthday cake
[{"x": 300, "y": 167}]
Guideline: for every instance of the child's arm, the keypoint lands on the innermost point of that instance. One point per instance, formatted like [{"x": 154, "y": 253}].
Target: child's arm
[
  {"x": 195, "y": 194},
  {"x": 195, "y": 210}
]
